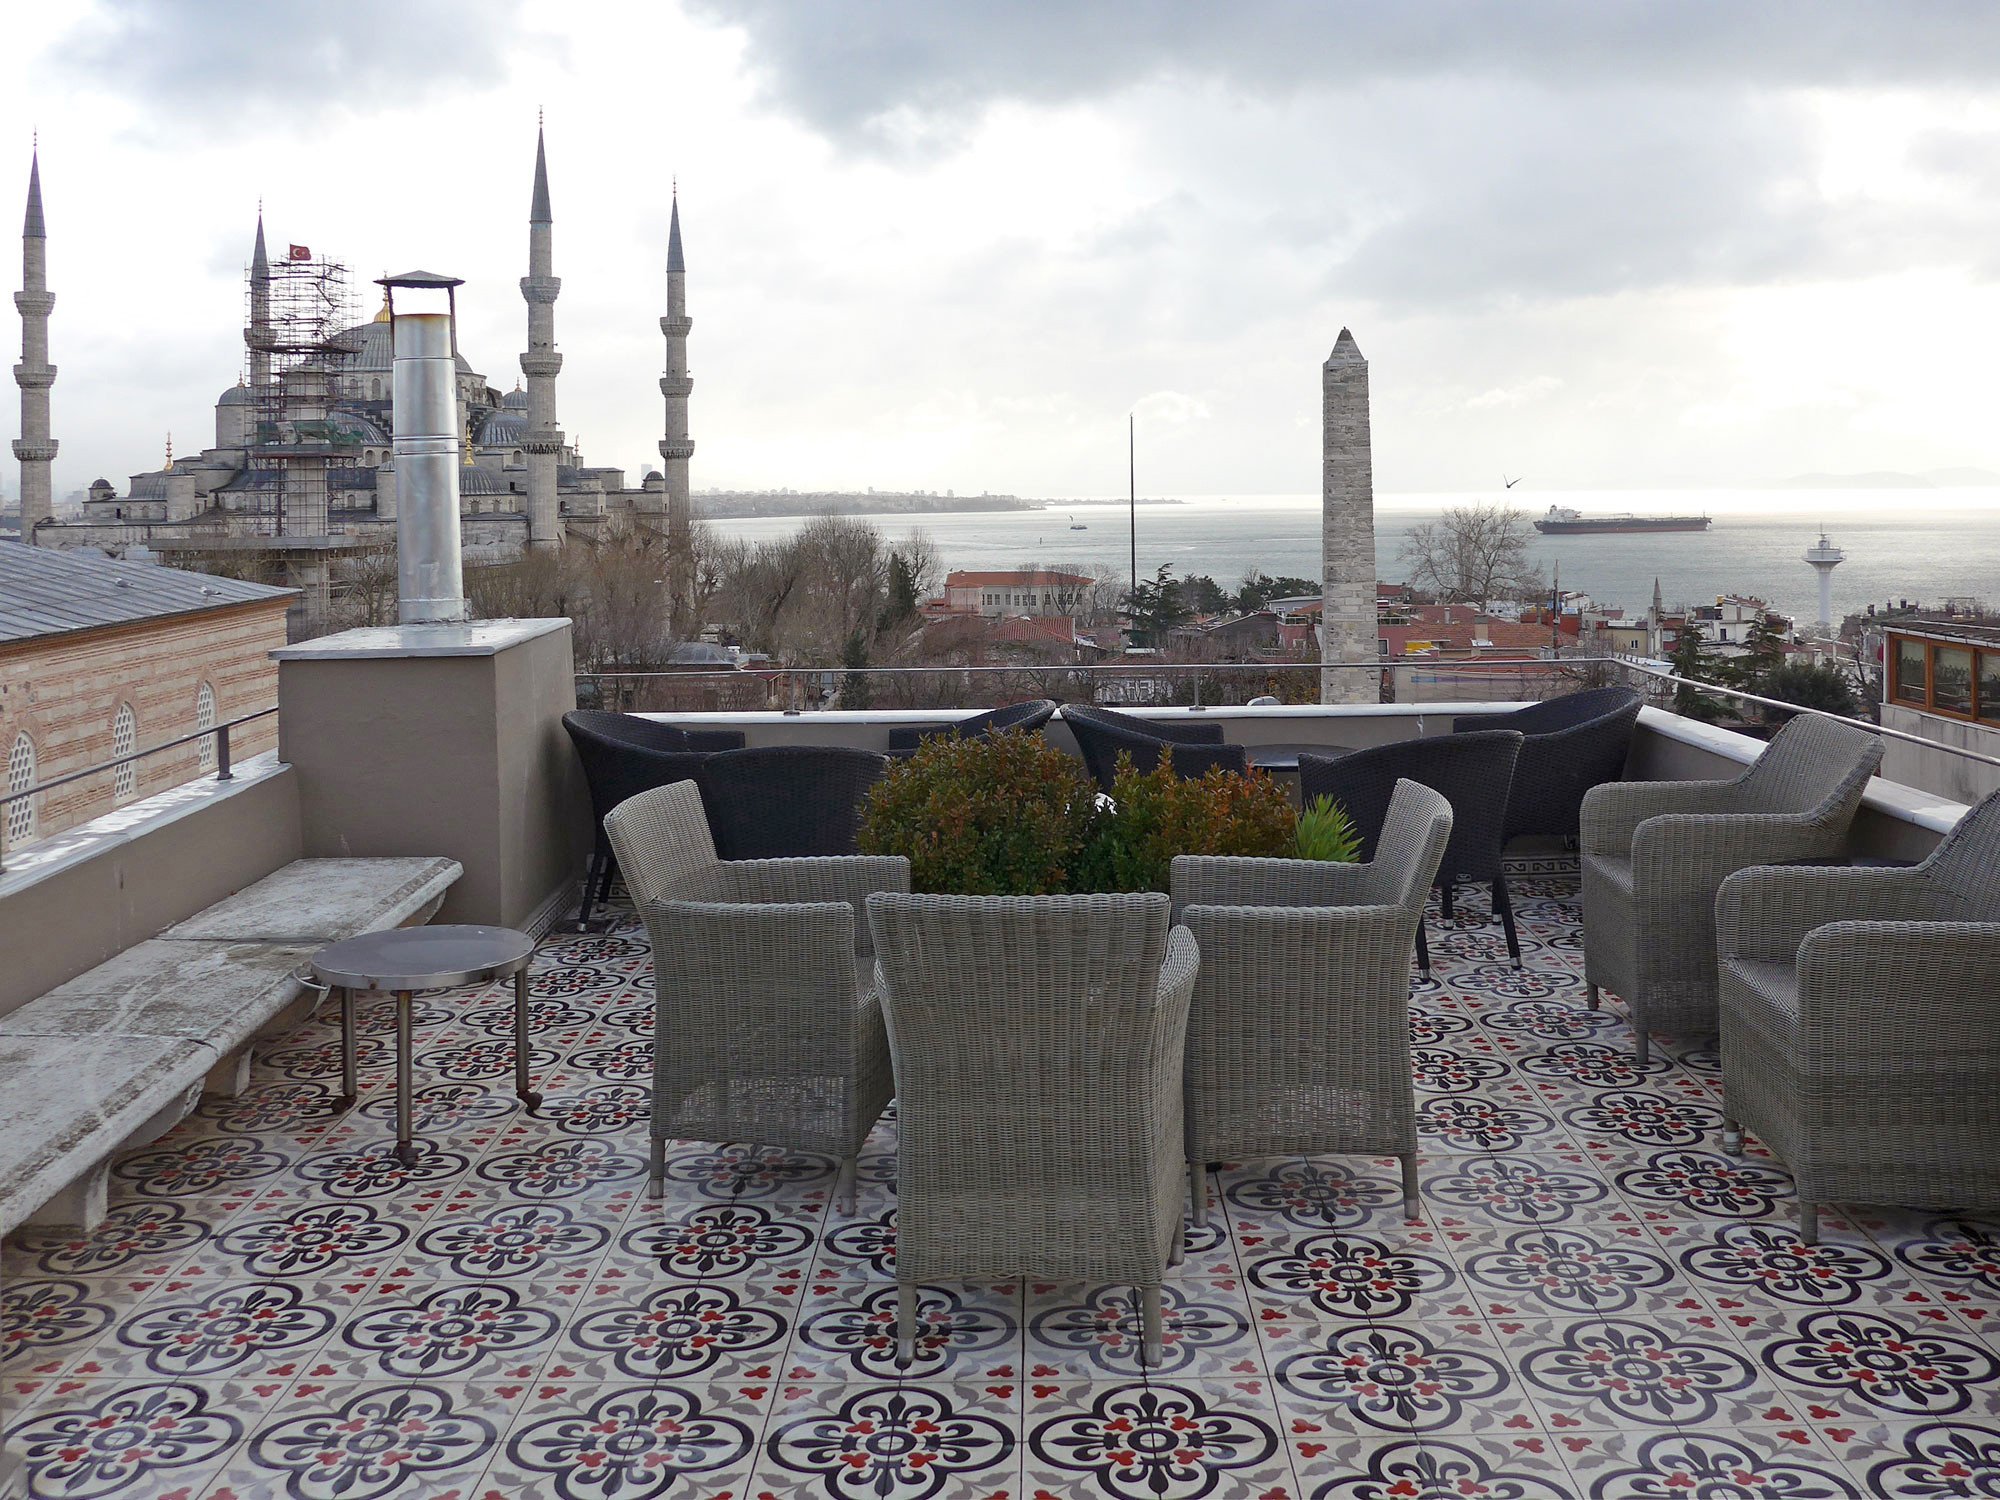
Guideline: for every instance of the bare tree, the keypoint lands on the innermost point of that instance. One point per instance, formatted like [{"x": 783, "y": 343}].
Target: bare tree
[
  {"x": 925, "y": 562},
  {"x": 364, "y": 589},
  {"x": 1473, "y": 554}
]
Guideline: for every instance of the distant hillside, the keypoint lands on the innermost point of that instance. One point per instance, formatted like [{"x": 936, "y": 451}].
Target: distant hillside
[{"x": 1892, "y": 479}]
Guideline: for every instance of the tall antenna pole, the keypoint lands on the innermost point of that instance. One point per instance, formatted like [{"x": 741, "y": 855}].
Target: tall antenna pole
[
  {"x": 1132, "y": 477},
  {"x": 1556, "y": 611}
]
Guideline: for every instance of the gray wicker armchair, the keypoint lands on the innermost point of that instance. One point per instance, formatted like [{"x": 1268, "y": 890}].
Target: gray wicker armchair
[
  {"x": 1655, "y": 853},
  {"x": 1038, "y": 1043},
  {"x": 768, "y": 1028},
  {"x": 1299, "y": 1035},
  {"x": 1860, "y": 1018}
]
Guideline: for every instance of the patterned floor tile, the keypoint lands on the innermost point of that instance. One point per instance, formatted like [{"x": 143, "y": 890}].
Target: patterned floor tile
[
  {"x": 1097, "y": 1333},
  {"x": 1755, "y": 1464},
  {"x": 1164, "y": 1438},
  {"x": 886, "y": 1441},
  {"x": 76, "y": 1439},
  {"x": 1429, "y": 1467}
]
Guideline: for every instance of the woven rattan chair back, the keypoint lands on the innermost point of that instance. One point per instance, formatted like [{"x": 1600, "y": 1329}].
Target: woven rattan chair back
[
  {"x": 1473, "y": 772},
  {"x": 1027, "y": 1072},
  {"x": 1966, "y": 866},
  {"x": 1814, "y": 765},
  {"x": 1026, "y": 717},
  {"x": 786, "y": 801},
  {"x": 1103, "y": 734},
  {"x": 663, "y": 843}
]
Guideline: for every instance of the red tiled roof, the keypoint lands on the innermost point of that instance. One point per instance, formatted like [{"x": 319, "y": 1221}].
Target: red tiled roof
[{"x": 1014, "y": 580}]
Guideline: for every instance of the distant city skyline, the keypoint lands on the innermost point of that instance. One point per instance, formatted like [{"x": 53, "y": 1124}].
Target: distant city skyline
[{"x": 1650, "y": 246}]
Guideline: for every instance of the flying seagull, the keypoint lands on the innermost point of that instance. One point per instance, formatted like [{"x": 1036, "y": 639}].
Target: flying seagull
[{"x": 1510, "y": 483}]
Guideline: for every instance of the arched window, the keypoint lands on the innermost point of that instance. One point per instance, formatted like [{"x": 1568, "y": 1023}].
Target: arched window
[
  {"x": 21, "y": 776},
  {"x": 124, "y": 740},
  {"x": 375, "y": 389},
  {"x": 204, "y": 718}
]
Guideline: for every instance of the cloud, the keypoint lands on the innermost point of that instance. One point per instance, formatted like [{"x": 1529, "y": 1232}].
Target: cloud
[
  {"x": 1517, "y": 395},
  {"x": 903, "y": 74},
  {"x": 348, "y": 54}
]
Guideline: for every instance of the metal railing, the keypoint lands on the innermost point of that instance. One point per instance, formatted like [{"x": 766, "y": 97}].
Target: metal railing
[
  {"x": 803, "y": 690},
  {"x": 1459, "y": 672},
  {"x": 218, "y": 732}
]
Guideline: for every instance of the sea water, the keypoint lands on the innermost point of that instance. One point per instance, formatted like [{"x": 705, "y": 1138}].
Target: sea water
[{"x": 1925, "y": 545}]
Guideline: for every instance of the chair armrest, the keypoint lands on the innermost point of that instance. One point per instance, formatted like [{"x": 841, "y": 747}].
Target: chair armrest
[
  {"x": 1180, "y": 732},
  {"x": 1464, "y": 723},
  {"x": 1765, "y": 912},
  {"x": 1876, "y": 989},
  {"x": 1691, "y": 854},
  {"x": 1613, "y": 812},
  {"x": 847, "y": 878},
  {"x": 697, "y": 942},
  {"x": 1179, "y": 970},
  {"x": 852, "y": 878},
  {"x": 1237, "y": 880}
]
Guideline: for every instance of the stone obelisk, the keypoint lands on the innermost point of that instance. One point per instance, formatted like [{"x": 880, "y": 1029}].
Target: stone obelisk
[{"x": 1347, "y": 530}]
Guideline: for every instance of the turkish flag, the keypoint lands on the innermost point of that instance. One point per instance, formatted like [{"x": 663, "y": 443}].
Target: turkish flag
[{"x": 300, "y": 252}]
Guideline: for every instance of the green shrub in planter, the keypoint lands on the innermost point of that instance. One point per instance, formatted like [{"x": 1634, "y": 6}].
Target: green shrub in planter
[
  {"x": 1156, "y": 815},
  {"x": 1326, "y": 832},
  {"x": 1007, "y": 815}
]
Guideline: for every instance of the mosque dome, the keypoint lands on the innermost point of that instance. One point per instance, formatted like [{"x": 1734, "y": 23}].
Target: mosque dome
[
  {"x": 236, "y": 395},
  {"x": 477, "y": 481},
  {"x": 503, "y": 429},
  {"x": 515, "y": 400},
  {"x": 374, "y": 348}
]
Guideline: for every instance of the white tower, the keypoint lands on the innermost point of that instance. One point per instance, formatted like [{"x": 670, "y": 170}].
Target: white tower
[
  {"x": 676, "y": 447},
  {"x": 1824, "y": 559},
  {"x": 1347, "y": 539},
  {"x": 34, "y": 374},
  {"x": 543, "y": 440}
]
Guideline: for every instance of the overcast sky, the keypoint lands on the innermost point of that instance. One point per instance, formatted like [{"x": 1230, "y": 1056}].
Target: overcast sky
[{"x": 951, "y": 246}]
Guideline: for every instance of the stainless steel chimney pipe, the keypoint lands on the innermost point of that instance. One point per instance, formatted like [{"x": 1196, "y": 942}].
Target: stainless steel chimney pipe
[{"x": 430, "y": 573}]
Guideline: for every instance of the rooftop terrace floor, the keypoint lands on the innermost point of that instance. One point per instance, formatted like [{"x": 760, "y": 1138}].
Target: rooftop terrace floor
[{"x": 1597, "y": 1303}]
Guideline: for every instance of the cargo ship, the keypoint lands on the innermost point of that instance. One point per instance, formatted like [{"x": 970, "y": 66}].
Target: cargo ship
[{"x": 1562, "y": 521}]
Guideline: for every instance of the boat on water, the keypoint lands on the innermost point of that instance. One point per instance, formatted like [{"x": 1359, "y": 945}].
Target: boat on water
[
  {"x": 1076, "y": 525},
  {"x": 1562, "y": 521}
]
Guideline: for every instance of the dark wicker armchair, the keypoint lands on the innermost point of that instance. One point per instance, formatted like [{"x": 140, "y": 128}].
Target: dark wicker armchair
[
  {"x": 1027, "y": 716},
  {"x": 624, "y": 755},
  {"x": 787, "y": 801},
  {"x": 1572, "y": 744},
  {"x": 1472, "y": 770},
  {"x": 1102, "y": 734}
]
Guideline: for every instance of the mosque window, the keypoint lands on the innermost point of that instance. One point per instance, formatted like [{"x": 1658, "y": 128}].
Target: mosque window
[
  {"x": 375, "y": 389},
  {"x": 204, "y": 718},
  {"x": 124, "y": 740},
  {"x": 21, "y": 776}
]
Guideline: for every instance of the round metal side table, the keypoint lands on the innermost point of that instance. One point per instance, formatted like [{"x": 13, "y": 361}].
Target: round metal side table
[{"x": 406, "y": 959}]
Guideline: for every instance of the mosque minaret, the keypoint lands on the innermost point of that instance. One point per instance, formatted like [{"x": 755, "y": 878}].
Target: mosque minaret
[
  {"x": 34, "y": 374},
  {"x": 676, "y": 447},
  {"x": 542, "y": 440}
]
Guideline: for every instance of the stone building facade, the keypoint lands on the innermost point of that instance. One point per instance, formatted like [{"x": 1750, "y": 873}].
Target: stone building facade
[{"x": 100, "y": 658}]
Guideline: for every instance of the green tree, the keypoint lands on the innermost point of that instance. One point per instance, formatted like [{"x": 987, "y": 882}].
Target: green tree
[
  {"x": 1690, "y": 659},
  {"x": 856, "y": 691},
  {"x": 899, "y": 600},
  {"x": 1203, "y": 594},
  {"x": 1258, "y": 589},
  {"x": 1817, "y": 685},
  {"x": 1155, "y": 608}
]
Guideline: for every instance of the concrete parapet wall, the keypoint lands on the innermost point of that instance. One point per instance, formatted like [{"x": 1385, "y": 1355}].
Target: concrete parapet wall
[{"x": 74, "y": 900}]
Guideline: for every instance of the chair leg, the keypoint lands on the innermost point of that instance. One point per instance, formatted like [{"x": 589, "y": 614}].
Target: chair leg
[
  {"x": 1151, "y": 1315},
  {"x": 1808, "y": 1223},
  {"x": 590, "y": 878},
  {"x": 906, "y": 1324},
  {"x": 1198, "y": 1193},
  {"x": 1732, "y": 1137},
  {"x": 1642, "y": 1043},
  {"x": 1591, "y": 996},
  {"x": 1504, "y": 904},
  {"x": 845, "y": 1191},
  {"x": 1178, "y": 1253},
  {"x": 1423, "y": 951},
  {"x": 1444, "y": 899},
  {"x": 1411, "y": 1200},
  {"x": 656, "y": 1167}
]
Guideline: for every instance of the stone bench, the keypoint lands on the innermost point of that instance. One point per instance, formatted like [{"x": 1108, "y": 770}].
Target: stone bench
[{"x": 115, "y": 1057}]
